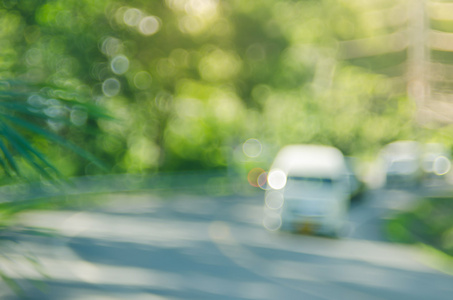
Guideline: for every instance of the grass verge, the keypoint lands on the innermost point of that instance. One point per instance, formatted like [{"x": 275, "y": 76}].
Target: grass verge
[{"x": 430, "y": 225}]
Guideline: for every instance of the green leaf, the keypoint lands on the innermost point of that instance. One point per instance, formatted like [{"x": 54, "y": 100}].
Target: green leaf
[
  {"x": 16, "y": 136},
  {"x": 13, "y": 285},
  {"x": 23, "y": 108},
  {"x": 5, "y": 167},
  {"x": 31, "y": 160},
  {"x": 56, "y": 138},
  {"x": 9, "y": 158},
  {"x": 27, "y": 110}
]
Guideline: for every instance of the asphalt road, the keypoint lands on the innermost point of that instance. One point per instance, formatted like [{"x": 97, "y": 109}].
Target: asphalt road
[{"x": 144, "y": 246}]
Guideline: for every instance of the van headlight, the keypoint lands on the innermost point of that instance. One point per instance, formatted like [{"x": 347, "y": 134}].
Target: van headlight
[{"x": 276, "y": 179}]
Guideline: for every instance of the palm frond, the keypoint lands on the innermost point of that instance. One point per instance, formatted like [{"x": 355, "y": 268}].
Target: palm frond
[
  {"x": 26, "y": 112},
  {"x": 9, "y": 157},
  {"x": 25, "y": 149},
  {"x": 55, "y": 138}
]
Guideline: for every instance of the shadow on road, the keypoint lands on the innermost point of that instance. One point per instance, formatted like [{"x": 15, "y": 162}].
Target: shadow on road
[{"x": 143, "y": 246}]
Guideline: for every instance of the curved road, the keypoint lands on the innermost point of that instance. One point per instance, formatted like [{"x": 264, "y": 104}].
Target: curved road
[{"x": 144, "y": 246}]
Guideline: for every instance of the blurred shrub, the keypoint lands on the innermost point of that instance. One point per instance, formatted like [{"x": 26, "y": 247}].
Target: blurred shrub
[
  {"x": 190, "y": 81},
  {"x": 429, "y": 222}
]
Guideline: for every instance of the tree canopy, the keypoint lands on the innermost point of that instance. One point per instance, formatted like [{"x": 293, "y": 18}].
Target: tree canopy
[{"x": 189, "y": 81}]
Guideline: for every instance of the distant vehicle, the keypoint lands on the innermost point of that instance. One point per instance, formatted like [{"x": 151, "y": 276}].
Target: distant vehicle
[
  {"x": 402, "y": 163},
  {"x": 309, "y": 189},
  {"x": 435, "y": 162},
  {"x": 356, "y": 185}
]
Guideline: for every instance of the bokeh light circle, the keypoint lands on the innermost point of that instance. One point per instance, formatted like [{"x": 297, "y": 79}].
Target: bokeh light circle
[
  {"x": 36, "y": 101},
  {"x": 142, "y": 80},
  {"x": 276, "y": 179},
  {"x": 272, "y": 221},
  {"x": 254, "y": 175},
  {"x": 441, "y": 165},
  {"x": 262, "y": 180},
  {"x": 119, "y": 64},
  {"x": 149, "y": 25},
  {"x": 78, "y": 116},
  {"x": 252, "y": 148},
  {"x": 111, "y": 87},
  {"x": 132, "y": 16},
  {"x": 274, "y": 199}
]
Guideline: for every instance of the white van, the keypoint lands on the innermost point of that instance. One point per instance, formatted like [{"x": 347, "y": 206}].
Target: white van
[
  {"x": 402, "y": 164},
  {"x": 308, "y": 190}
]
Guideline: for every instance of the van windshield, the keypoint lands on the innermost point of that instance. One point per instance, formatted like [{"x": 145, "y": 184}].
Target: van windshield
[{"x": 297, "y": 183}]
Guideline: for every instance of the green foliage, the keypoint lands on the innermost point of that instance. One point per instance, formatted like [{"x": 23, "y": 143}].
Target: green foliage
[
  {"x": 189, "y": 81},
  {"x": 31, "y": 117},
  {"x": 429, "y": 222}
]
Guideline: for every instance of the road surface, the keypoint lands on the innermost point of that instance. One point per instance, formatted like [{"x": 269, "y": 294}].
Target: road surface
[{"x": 146, "y": 246}]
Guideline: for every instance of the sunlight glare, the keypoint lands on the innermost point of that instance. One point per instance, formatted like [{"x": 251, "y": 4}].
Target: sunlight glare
[{"x": 276, "y": 179}]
